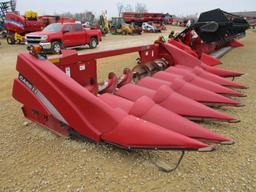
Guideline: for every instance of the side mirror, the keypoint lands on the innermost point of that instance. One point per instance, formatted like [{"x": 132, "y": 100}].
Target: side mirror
[{"x": 210, "y": 27}]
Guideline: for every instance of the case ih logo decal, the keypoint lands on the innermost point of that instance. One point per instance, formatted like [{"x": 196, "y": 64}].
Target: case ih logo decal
[{"x": 27, "y": 83}]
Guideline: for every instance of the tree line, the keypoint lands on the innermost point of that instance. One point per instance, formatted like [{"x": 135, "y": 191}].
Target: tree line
[{"x": 88, "y": 16}]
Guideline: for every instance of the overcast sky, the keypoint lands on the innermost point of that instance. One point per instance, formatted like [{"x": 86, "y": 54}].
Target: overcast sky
[{"x": 177, "y": 7}]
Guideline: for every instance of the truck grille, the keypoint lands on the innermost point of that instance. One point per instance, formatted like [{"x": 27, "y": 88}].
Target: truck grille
[
  {"x": 33, "y": 39},
  {"x": 33, "y": 42}
]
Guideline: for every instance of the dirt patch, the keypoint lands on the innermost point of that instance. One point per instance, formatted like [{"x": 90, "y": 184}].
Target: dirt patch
[{"x": 34, "y": 159}]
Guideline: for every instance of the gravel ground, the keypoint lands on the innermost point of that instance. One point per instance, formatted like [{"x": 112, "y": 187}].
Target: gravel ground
[{"x": 34, "y": 159}]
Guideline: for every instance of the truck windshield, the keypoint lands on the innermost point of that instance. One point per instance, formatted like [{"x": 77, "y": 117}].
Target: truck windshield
[{"x": 55, "y": 27}]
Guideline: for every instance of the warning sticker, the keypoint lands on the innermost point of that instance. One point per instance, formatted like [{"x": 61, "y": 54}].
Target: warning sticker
[
  {"x": 68, "y": 72},
  {"x": 82, "y": 67}
]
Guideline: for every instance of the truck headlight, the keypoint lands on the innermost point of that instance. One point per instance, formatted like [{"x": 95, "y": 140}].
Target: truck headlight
[{"x": 44, "y": 37}]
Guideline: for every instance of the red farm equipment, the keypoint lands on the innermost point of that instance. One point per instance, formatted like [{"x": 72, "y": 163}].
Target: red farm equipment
[
  {"x": 49, "y": 19},
  {"x": 17, "y": 25},
  {"x": 155, "y": 19},
  {"x": 251, "y": 21},
  {"x": 215, "y": 29},
  {"x": 148, "y": 107},
  {"x": 168, "y": 19},
  {"x": 179, "y": 22},
  {"x": 5, "y": 8},
  {"x": 130, "y": 17}
]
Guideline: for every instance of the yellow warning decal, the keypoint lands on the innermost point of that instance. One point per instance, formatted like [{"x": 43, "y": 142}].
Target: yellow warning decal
[{"x": 54, "y": 60}]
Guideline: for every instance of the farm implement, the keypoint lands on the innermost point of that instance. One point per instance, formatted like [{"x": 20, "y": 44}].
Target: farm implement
[
  {"x": 148, "y": 107},
  {"x": 120, "y": 27},
  {"x": 215, "y": 33},
  {"x": 5, "y": 8},
  {"x": 149, "y": 22},
  {"x": 17, "y": 26}
]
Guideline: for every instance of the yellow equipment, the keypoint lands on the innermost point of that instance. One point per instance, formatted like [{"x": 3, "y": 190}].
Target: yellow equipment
[
  {"x": 118, "y": 26},
  {"x": 31, "y": 15},
  {"x": 16, "y": 38},
  {"x": 103, "y": 23}
]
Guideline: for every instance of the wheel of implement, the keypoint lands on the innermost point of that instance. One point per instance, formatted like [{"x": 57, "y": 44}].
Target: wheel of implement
[
  {"x": 140, "y": 71},
  {"x": 10, "y": 40},
  {"x": 18, "y": 41},
  {"x": 3, "y": 34}
]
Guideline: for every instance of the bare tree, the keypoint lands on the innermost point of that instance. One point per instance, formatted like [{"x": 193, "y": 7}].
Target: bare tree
[
  {"x": 120, "y": 8},
  {"x": 67, "y": 14},
  {"x": 86, "y": 16},
  {"x": 140, "y": 8},
  {"x": 128, "y": 8}
]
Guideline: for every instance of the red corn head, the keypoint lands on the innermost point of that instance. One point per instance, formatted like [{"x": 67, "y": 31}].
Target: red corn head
[
  {"x": 215, "y": 78},
  {"x": 146, "y": 109},
  {"x": 173, "y": 101},
  {"x": 173, "y": 72},
  {"x": 189, "y": 90}
]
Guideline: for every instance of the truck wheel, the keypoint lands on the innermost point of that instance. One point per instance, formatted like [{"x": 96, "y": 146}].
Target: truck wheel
[
  {"x": 56, "y": 47},
  {"x": 93, "y": 43},
  {"x": 10, "y": 40}
]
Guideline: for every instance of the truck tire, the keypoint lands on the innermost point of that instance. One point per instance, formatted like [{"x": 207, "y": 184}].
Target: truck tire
[
  {"x": 93, "y": 43},
  {"x": 56, "y": 47}
]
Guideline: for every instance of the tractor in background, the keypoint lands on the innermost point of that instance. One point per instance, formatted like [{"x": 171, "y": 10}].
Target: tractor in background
[
  {"x": 104, "y": 24},
  {"x": 118, "y": 26}
]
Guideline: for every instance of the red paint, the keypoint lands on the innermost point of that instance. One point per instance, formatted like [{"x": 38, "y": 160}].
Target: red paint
[
  {"x": 70, "y": 38},
  {"x": 135, "y": 117}
]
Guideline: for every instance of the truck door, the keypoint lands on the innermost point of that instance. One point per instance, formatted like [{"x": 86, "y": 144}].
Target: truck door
[
  {"x": 68, "y": 35},
  {"x": 79, "y": 35}
]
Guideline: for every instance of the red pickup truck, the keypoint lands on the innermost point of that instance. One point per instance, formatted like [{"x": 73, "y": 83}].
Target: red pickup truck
[{"x": 57, "y": 36}]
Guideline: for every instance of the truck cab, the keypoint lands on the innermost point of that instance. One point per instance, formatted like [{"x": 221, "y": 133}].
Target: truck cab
[{"x": 58, "y": 36}]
